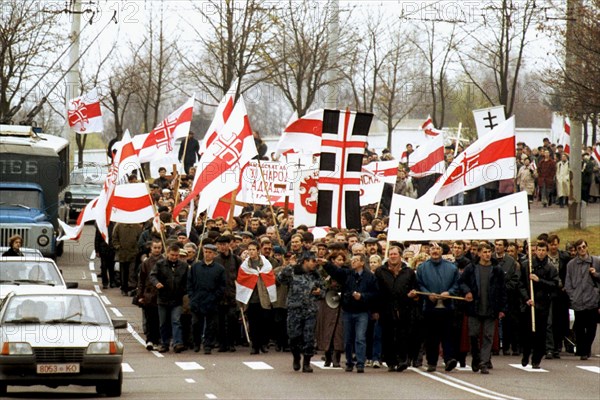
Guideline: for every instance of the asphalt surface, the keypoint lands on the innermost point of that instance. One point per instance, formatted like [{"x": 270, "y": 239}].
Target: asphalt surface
[{"x": 188, "y": 375}]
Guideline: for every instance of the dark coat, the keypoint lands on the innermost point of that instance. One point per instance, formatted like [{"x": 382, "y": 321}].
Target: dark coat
[
  {"x": 104, "y": 250},
  {"x": 205, "y": 286},
  {"x": 546, "y": 173},
  {"x": 438, "y": 276},
  {"x": 12, "y": 253},
  {"x": 365, "y": 284},
  {"x": 173, "y": 276},
  {"x": 470, "y": 282},
  {"x": 393, "y": 301},
  {"x": 543, "y": 290},
  {"x": 146, "y": 290},
  {"x": 231, "y": 263},
  {"x": 509, "y": 266}
]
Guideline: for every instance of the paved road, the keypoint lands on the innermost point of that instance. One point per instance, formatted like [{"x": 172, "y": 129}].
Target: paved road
[
  {"x": 188, "y": 375},
  {"x": 554, "y": 218}
]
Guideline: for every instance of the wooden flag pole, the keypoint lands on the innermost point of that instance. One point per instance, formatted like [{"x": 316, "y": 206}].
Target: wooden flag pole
[
  {"x": 531, "y": 286},
  {"x": 162, "y": 236},
  {"x": 231, "y": 208},
  {"x": 262, "y": 177},
  {"x": 176, "y": 187},
  {"x": 457, "y": 138}
]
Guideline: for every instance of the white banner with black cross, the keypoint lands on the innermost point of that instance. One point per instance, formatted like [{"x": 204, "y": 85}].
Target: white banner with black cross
[
  {"x": 487, "y": 119},
  {"x": 413, "y": 219}
]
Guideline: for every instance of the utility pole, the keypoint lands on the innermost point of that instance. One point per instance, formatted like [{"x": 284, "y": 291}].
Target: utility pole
[
  {"x": 72, "y": 81},
  {"x": 331, "y": 97},
  {"x": 575, "y": 205}
]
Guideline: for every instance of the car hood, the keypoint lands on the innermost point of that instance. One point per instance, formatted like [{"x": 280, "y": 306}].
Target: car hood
[
  {"x": 11, "y": 214},
  {"x": 6, "y": 288},
  {"x": 58, "y": 335}
]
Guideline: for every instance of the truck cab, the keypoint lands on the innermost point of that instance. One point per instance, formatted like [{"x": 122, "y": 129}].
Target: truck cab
[{"x": 33, "y": 171}]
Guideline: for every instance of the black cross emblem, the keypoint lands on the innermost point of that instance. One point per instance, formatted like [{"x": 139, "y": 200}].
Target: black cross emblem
[
  {"x": 490, "y": 117},
  {"x": 299, "y": 165}
]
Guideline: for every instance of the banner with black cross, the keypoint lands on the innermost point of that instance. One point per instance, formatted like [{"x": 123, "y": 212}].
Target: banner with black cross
[{"x": 343, "y": 143}]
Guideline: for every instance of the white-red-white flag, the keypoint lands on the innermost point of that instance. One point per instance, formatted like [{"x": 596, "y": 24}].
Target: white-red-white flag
[
  {"x": 429, "y": 129},
  {"x": 160, "y": 142},
  {"x": 131, "y": 204},
  {"x": 404, "y": 157},
  {"x": 386, "y": 171},
  {"x": 190, "y": 219},
  {"x": 565, "y": 137},
  {"x": 74, "y": 232},
  {"x": 490, "y": 158},
  {"x": 306, "y": 197},
  {"x": 302, "y": 134},
  {"x": 221, "y": 116},
  {"x": 247, "y": 279},
  {"x": 219, "y": 170},
  {"x": 428, "y": 158},
  {"x": 84, "y": 113},
  {"x": 129, "y": 159},
  {"x": 596, "y": 153}
]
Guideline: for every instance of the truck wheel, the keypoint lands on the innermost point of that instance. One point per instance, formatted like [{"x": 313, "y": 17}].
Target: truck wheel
[
  {"x": 60, "y": 248},
  {"x": 3, "y": 389}
]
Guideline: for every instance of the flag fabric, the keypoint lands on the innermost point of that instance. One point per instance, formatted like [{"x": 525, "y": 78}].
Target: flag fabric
[
  {"x": 386, "y": 171},
  {"x": 596, "y": 153},
  {"x": 533, "y": 165},
  {"x": 428, "y": 159},
  {"x": 190, "y": 219},
  {"x": 305, "y": 197},
  {"x": 343, "y": 144},
  {"x": 247, "y": 279},
  {"x": 371, "y": 188},
  {"x": 490, "y": 158},
  {"x": 221, "y": 116},
  {"x": 131, "y": 203},
  {"x": 84, "y": 113},
  {"x": 565, "y": 138},
  {"x": 404, "y": 157},
  {"x": 302, "y": 134},
  {"x": 218, "y": 172},
  {"x": 129, "y": 160},
  {"x": 74, "y": 232},
  {"x": 429, "y": 129},
  {"x": 160, "y": 142},
  {"x": 486, "y": 119},
  {"x": 156, "y": 223}
]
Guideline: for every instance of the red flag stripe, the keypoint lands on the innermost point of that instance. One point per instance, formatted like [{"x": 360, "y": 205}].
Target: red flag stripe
[
  {"x": 342, "y": 145},
  {"x": 429, "y": 162},
  {"x": 131, "y": 203},
  {"x": 308, "y": 126},
  {"x": 247, "y": 280},
  {"x": 337, "y": 182}
]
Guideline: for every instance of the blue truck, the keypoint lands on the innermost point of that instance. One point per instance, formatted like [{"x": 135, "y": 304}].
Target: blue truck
[{"x": 34, "y": 170}]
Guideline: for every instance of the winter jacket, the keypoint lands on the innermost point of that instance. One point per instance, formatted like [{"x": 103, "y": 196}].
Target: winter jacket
[
  {"x": 173, "y": 276},
  {"x": 125, "y": 241},
  {"x": 546, "y": 173},
  {"x": 581, "y": 285},
  {"x": 438, "y": 276},
  {"x": 562, "y": 178},
  {"x": 301, "y": 284},
  {"x": 146, "y": 290},
  {"x": 231, "y": 263},
  {"x": 205, "y": 286},
  {"x": 525, "y": 180},
  {"x": 543, "y": 290},
  {"x": 364, "y": 283},
  {"x": 509, "y": 267},
  {"x": 470, "y": 282},
  {"x": 393, "y": 300}
]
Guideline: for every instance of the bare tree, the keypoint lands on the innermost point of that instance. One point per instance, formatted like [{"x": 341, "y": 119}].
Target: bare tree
[
  {"x": 27, "y": 41},
  {"x": 497, "y": 46}
]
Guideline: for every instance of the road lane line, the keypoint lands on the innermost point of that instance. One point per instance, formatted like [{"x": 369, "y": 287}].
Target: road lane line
[
  {"x": 590, "y": 369},
  {"x": 97, "y": 289},
  {"x": 105, "y": 300},
  {"x": 93, "y": 255},
  {"x": 189, "y": 366},
  {"x": 461, "y": 382},
  {"x": 94, "y": 277},
  {"x": 321, "y": 365},
  {"x": 137, "y": 337},
  {"x": 126, "y": 367},
  {"x": 257, "y": 365},
  {"x": 92, "y": 266},
  {"x": 116, "y": 312},
  {"x": 527, "y": 368},
  {"x": 456, "y": 386},
  {"x": 190, "y": 380},
  {"x": 157, "y": 354},
  {"x": 210, "y": 396}
]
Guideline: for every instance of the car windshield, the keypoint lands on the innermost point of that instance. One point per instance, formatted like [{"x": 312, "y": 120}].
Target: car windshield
[
  {"x": 21, "y": 197},
  {"x": 91, "y": 175},
  {"x": 29, "y": 272},
  {"x": 55, "y": 309}
]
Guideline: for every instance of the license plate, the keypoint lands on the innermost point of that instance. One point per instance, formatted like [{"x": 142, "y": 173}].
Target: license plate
[{"x": 72, "y": 368}]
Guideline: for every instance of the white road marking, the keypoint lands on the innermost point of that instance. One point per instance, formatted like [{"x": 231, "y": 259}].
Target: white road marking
[
  {"x": 97, "y": 289},
  {"x": 257, "y": 365},
  {"x": 321, "y": 365},
  {"x": 137, "y": 337},
  {"x": 548, "y": 213},
  {"x": 448, "y": 382},
  {"x": 126, "y": 367},
  {"x": 105, "y": 300},
  {"x": 83, "y": 275},
  {"x": 116, "y": 312},
  {"x": 92, "y": 266},
  {"x": 157, "y": 354},
  {"x": 189, "y": 366},
  {"x": 478, "y": 387},
  {"x": 210, "y": 396},
  {"x": 190, "y": 380},
  {"x": 590, "y": 369},
  {"x": 527, "y": 368},
  {"x": 462, "y": 369},
  {"x": 93, "y": 255},
  {"x": 94, "y": 277}
]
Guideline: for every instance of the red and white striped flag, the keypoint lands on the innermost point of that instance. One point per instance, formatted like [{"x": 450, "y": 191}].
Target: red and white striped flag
[
  {"x": 565, "y": 137},
  {"x": 84, "y": 113},
  {"x": 221, "y": 116},
  {"x": 596, "y": 153},
  {"x": 429, "y": 128},
  {"x": 160, "y": 142},
  {"x": 74, "y": 232},
  {"x": 302, "y": 134},
  {"x": 533, "y": 165},
  {"x": 247, "y": 279},
  {"x": 219, "y": 170},
  {"x": 386, "y": 171},
  {"x": 404, "y": 157},
  {"x": 428, "y": 159},
  {"x": 132, "y": 204},
  {"x": 490, "y": 158}
]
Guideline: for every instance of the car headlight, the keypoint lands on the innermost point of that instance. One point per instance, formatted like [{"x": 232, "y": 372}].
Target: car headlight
[
  {"x": 43, "y": 240},
  {"x": 105, "y": 348},
  {"x": 16, "y": 349}
]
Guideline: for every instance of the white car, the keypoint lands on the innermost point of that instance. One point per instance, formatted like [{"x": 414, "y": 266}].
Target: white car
[
  {"x": 21, "y": 271},
  {"x": 27, "y": 251},
  {"x": 58, "y": 337}
]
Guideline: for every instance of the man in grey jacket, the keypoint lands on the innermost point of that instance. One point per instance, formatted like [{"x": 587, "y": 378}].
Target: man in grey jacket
[{"x": 581, "y": 284}]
